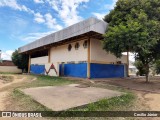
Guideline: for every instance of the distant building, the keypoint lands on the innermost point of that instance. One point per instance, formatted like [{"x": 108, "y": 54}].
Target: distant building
[
  {"x": 75, "y": 51},
  {"x": 132, "y": 68},
  {"x": 9, "y": 67}
]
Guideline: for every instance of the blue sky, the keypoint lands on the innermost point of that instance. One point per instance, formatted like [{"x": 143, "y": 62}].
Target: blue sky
[{"x": 23, "y": 21}]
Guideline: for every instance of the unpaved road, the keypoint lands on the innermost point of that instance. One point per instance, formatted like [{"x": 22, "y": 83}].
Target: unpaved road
[{"x": 5, "y": 90}]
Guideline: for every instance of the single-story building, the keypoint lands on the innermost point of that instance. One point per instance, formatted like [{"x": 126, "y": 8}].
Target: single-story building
[
  {"x": 7, "y": 66},
  {"x": 75, "y": 51}
]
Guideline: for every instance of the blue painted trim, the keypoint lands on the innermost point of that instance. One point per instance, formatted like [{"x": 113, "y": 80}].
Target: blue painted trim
[
  {"x": 73, "y": 70},
  {"x": 37, "y": 69},
  {"x": 106, "y": 70}
]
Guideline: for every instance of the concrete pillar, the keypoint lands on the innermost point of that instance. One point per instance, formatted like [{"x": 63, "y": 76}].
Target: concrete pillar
[
  {"x": 49, "y": 55},
  {"x": 127, "y": 64},
  {"x": 88, "y": 61},
  {"x": 29, "y": 63}
]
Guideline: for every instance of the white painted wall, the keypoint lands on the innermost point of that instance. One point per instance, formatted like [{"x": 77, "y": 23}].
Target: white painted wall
[
  {"x": 100, "y": 55},
  {"x": 52, "y": 71},
  {"x": 61, "y": 53},
  {"x": 10, "y": 69},
  {"x": 39, "y": 60}
]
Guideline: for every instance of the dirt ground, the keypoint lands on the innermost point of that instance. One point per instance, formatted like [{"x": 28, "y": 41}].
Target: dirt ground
[
  {"x": 148, "y": 93},
  {"x": 6, "y": 89}
]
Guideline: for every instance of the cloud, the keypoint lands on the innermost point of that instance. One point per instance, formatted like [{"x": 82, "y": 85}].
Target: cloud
[
  {"x": 14, "y": 5},
  {"x": 67, "y": 10},
  {"x": 30, "y": 37},
  {"x": 6, "y": 55},
  {"x": 111, "y": 6},
  {"x": 99, "y": 15},
  {"x": 38, "y": 1},
  {"x": 39, "y": 18},
  {"x": 47, "y": 19},
  {"x": 51, "y": 22}
]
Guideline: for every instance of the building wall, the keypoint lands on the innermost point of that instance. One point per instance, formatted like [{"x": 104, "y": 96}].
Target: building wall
[
  {"x": 10, "y": 69},
  {"x": 39, "y": 60},
  {"x": 61, "y": 53},
  {"x": 101, "y": 56}
]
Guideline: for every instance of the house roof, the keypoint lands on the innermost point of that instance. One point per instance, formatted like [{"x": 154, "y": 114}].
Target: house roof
[
  {"x": 6, "y": 63},
  {"x": 86, "y": 26}
]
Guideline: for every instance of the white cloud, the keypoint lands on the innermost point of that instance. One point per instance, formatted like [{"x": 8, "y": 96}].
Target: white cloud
[
  {"x": 34, "y": 36},
  {"x": 14, "y": 5},
  {"x": 67, "y": 10},
  {"x": 39, "y": 18},
  {"x": 51, "y": 22},
  {"x": 6, "y": 55},
  {"x": 111, "y": 6},
  {"x": 99, "y": 15},
  {"x": 38, "y": 1}
]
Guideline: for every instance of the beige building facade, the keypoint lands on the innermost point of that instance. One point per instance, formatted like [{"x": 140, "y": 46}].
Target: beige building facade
[{"x": 80, "y": 55}]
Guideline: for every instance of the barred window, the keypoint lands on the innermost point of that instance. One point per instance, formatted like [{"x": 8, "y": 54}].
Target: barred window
[
  {"x": 77, "y": 46},
  {"x": 69, "y": 47},
  {"x": 85, "y": 44}
]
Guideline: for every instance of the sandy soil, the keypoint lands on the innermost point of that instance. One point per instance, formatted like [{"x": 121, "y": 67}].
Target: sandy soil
[
  {"x": 5, "y": 89},
  {"x": 151, "y": 100},
  {"x": 148, "y": 93}
]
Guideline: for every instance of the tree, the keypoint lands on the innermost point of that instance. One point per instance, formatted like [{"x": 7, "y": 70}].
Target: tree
[
  {"x": 134, "y": 26},
  {"x": 156, "y": 67},
  {"x": 140, "y": 67},
  {"x": 20, "y": 60}
]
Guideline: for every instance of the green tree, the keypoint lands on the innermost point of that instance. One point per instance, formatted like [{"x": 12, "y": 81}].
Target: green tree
[
  {"x": 20, "y": 60},
  {"x": 134, "y": 26},
  {"x": 156, "y": 67},
  {"x": 139, "y": 65}
]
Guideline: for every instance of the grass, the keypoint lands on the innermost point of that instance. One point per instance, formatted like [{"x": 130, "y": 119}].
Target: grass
[
  {"x": 21, "y": 101},
  {"x": 121, "y": 103},
  {"x": 47, "y": 81},
  {"x": 24, "y": 102}
]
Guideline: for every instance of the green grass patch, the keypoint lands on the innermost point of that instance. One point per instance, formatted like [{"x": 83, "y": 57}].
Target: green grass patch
[
  {"x": 124, "y": 102},
  {"x": 48, "y": 81},
  {"x": 25, "y": 103}
]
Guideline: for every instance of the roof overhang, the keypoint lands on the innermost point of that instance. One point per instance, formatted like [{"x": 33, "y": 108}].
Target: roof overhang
[{"x": 91, "y": 27}]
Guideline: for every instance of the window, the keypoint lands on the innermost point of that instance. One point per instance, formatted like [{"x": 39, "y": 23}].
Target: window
[
  {"x": 85, "y": 44},
  {"x": 77, "y": 46},
  {"x": 69, "y": 47}
]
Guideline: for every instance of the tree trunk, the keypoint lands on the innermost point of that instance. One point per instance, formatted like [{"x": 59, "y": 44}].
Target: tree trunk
[
  {"x": 22, "y": 70},
  {"x": 147, "y": 73}
]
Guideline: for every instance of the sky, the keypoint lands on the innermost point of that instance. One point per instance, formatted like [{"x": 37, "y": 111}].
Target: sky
[{"x": 23, "y": 21}]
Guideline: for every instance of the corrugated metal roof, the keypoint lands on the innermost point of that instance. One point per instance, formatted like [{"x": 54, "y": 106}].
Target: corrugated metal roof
[{"x": 88, "y": 25}]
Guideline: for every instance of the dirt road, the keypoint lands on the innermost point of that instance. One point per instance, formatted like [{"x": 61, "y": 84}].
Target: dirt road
[{"x": 6, "y": 89}]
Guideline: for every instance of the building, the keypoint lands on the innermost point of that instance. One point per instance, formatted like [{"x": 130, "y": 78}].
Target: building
[
  {"x": 75, "y": 51},
  {"x": 7, "y": 66}
]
